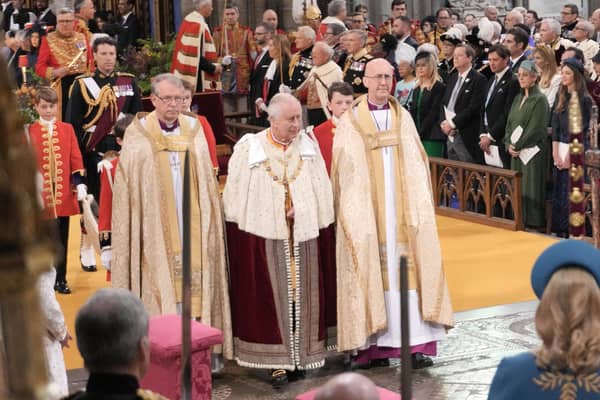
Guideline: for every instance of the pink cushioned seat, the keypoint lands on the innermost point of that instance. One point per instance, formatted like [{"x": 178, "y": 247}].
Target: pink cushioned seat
[
  {"x": 164, "y": 372},
  {"x": 384, "y": 394}
]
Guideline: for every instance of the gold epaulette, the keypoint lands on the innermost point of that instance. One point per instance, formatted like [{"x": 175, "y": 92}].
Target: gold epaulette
[
  {"x": 86, "y": 75},
  {"x": 148, "y": 395},
  {"x": 125, "y": 74}
]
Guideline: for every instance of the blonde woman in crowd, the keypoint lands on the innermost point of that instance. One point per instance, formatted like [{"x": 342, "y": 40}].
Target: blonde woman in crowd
[
  {"x": 426, "y": 104},
  {"x": 545, "y": 63}
]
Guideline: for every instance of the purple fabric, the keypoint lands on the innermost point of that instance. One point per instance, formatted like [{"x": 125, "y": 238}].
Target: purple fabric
[
  {"x": 378, "y": 353},
  {"x": 167, "y": 128},
  {"x": 375, "y": 107}
]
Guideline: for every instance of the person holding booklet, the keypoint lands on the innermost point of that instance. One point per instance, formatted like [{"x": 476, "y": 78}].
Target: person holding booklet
[
  {"x": 525, "y": 141},
  {"x": 572, "y": 82}
]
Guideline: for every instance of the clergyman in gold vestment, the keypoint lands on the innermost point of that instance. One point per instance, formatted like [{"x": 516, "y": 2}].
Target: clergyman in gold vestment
[
  {"x": 384, "y": 209},
  {"x": 147, "y": 213}
]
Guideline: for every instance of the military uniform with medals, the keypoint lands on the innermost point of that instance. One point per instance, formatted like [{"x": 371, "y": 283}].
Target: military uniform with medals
[
  {"x": 95, "y": 103},
  {"x": 354, "y": 71},
  {"x": 300, "y": 66}
]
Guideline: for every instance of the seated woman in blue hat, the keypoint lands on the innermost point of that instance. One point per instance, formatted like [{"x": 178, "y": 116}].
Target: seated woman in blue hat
[{"x": 566, "y": 279}]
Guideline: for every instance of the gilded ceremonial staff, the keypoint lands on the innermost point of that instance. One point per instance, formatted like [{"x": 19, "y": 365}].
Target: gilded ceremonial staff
[
  {"x": 186, "y": 317},
  {"x": 576, "y": 169},
  {"x": 406, "y": 372}
]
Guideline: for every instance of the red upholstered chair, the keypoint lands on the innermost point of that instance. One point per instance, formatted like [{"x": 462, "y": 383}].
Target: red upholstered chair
[
  {"x": 384, "y": 394},
  {"x": 164, "y": 372}
]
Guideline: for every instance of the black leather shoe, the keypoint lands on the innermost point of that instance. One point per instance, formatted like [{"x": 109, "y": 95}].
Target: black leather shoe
[
  {"x": 91, "y": 268},
  {"x": 380, "y": 362},
  {"x": 62, "y": 288},
  {"x": 279, "y": 378},
  {"x": 420, "y": 361},
  {"x": 296, "y": 375}
]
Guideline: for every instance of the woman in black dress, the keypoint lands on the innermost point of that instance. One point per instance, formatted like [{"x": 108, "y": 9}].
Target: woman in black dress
[{"x": 426, "y": 104}]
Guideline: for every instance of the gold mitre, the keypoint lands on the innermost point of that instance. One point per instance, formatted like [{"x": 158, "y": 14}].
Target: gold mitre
[{"x": 312, "y": 12}]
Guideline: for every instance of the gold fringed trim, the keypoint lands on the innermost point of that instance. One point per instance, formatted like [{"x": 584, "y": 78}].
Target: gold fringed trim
[
  {"x": 288, "y": 270},
  {"x": 264, "y": 366},
  {"x": 296, "y": 277},
  {"x": 106, "y": 100}
]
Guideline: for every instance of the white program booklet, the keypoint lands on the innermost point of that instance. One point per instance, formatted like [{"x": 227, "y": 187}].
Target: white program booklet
[
  {"x": 563, "y": 150},
  {"x": 493, "y": 159},
  {"x": 528, "y": 153},
  {"x": 449, "y": 115},
  {"x": 516, "y": 135}
]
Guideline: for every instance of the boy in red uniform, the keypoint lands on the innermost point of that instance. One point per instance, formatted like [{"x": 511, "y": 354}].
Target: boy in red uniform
[
  {"x": 107, "y": 169},
  {"x": 340, "y": 95},
  {"x": 61, "y": 169}
]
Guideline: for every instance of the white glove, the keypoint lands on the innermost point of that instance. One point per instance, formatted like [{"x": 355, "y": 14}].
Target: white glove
[
  {"x": 284, "y": 89},
  {"x": 106, "y": 257},
  {"x": 81, "y": 192},
  {"x": 226, "y": 60},
  {"x": 260, "y": 103}
]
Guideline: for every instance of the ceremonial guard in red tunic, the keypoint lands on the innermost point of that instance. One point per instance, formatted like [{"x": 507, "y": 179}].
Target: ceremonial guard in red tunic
[
  {"x": 235, "y": 46},
  {"x": 64, "y": 55},
  {"x": 61, "y": 172}
]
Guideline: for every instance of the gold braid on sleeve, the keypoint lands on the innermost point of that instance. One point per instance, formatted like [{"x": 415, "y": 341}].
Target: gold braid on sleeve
[{"x": 106, "y": 100}]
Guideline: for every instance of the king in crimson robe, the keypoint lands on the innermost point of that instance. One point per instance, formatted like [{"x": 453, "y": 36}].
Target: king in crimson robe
[
  {"x": 147, "y": 219},
  {"x": 384, "y": 210},
  {"x": 278, "y": 280}
]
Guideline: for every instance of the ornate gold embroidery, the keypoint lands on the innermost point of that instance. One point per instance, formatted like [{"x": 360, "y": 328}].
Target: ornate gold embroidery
[{"x": 569, "y": 384}]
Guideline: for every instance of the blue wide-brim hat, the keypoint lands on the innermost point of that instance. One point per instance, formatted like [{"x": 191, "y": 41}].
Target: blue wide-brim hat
[{"x": 566, "y": 253}]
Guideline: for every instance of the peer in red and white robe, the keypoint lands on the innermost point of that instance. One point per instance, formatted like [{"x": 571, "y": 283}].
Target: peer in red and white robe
[{"x": 195, "y": 54}]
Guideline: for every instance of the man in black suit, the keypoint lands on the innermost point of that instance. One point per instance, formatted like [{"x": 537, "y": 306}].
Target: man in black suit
[
  {"x": 44, "y": 14},
  {"x": 401, "y": 29},
  {"x": 463, "y": 101},
  {"x": 502, "y": 88},
  {"x": 516, "y": 42},
  {"x": 262, "y": 34},
  {"x": 128, "y": 31}
]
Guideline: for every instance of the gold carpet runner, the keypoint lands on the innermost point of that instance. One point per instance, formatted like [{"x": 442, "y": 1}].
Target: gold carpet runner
[{"x": 484, "y": 266}]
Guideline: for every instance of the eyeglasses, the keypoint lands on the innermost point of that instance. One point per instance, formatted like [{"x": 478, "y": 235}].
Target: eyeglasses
[
  {"x": 259, "y": 33},
  {"x": 378, "y": 77},
  {"x": 65, "y": 21},
  {"x": 357, "y": 21},
  {"x": 169, "y": 99},
  {"x": 566, "y": 13}
]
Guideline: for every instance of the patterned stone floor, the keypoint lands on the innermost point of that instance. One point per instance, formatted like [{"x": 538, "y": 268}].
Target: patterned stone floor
[{"x": 463, "y": 370}]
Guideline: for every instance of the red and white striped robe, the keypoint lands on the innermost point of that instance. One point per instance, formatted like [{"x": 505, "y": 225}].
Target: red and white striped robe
[{"x": 194, "y": 40}]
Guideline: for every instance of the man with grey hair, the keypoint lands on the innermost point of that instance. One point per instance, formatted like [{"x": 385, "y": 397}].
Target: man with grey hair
[
  {"x": 302, "y": 61},
  {"x": 348, "y": 386},
  {"x": 550, "y": 36},
  {"x": 314, "y": 89},
  {"x": 199, "y": 66},
  {"x": 84, "y": 18},
  {"x": 336, "y": 11},
  {"x": 512, "y": 18},
  {"x": 277, "y": 199},
  {"x": 112, "y": 337},
  {"x": 355, "y": 42},
  {"x": 595, "y": 20},
  {"x": 148, "y": 213},
  {"x": 582, "y": 33}
]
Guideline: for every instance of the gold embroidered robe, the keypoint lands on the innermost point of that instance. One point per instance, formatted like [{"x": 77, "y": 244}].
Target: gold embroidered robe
[
  {"x": 146, "y": 239},
  {"x": 361, "y": 305}
]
